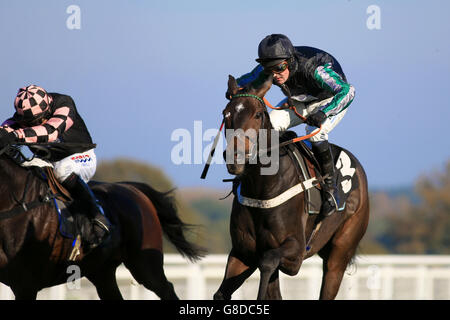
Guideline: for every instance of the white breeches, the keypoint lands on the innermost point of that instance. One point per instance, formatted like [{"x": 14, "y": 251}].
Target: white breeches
[
  {"x": 83, "y": 164},
  {"x": 284, "y": 119}
]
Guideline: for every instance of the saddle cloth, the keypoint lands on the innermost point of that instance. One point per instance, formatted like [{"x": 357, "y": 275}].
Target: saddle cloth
[{"x": 344, "y": 168}]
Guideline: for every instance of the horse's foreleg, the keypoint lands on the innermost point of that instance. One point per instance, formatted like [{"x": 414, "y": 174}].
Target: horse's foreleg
[
  {"x": 287, "y": 257},
  {"x": 273, "y": 289},
  {"x": 236, "y": 272},
  {"x": 267, "y": 266}
]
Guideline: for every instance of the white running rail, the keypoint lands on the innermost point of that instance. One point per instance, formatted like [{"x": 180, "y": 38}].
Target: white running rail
[{"x": 388, "y": 277}]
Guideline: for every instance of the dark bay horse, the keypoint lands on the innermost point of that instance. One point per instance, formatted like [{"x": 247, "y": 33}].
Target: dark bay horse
[
  {"x": 34, "y": 254},
  {"x": 275, "y": 239}
]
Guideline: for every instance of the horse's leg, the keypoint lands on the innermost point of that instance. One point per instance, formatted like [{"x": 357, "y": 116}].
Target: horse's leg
[
  {"x": 269, "y": 263},
  {"x": 338, "y": 252},
  {"x": 334, "y": 265},
  {"x": 236, "y": 272},
  {"x": 105, "y": 282},
  {"x": 273, "y": 289},
  {"x": 288, "y": 256},
  {"x": 147, "y": 268},
  {"x": 24, "y": 294}
]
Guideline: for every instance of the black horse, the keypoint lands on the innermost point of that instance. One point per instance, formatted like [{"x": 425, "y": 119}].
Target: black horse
[
  {"x": 280, "y": 238},
  {"x": 34, "y": 254}
]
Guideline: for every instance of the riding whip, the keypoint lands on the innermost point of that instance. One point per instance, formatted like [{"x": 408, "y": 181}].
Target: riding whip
[{"x": 211, "y": 154}]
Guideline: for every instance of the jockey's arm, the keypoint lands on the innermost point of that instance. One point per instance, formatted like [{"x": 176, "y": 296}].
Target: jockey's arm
[
  {"x": 343, "y": 92},
  {"x": 250, "y": 77},
  {"x": 49, "y": 131}
]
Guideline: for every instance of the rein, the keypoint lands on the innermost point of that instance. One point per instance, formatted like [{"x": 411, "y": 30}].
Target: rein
[
  {"x": 292, "y": 107},
  {"x": 265, "y": 103}
]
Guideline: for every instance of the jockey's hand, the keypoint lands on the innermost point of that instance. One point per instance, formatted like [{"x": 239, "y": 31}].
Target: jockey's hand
[
  {"x": 6, "y": 137},
  {"x": 316, "y": 119}
]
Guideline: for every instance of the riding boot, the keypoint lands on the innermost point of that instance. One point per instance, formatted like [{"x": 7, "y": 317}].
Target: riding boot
[
  {"x": 81, "y": 191},
  {"x": 330, "y": 197}
]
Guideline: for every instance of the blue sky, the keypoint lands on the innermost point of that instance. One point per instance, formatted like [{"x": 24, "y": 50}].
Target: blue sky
[{"x": 138, "y": 70}]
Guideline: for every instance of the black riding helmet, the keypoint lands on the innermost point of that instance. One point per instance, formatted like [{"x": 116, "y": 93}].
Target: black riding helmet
[{"x": 275, "y": 48}]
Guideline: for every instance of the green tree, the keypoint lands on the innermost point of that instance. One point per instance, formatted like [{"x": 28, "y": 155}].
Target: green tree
[
  {"x": 123, "y": 169},
  {"x": 425, "y": 228},
  {"x": 435, "y": 209},
  {"x": 131, "y": 170}
]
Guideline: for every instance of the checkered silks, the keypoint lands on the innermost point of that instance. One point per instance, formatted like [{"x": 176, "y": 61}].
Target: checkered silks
[{"x": 32, "y": 102}]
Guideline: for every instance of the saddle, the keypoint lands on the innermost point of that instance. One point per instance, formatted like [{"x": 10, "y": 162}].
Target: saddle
[
  {"x": 308, "y": 167},
  {"x": 72, "y": 225}
]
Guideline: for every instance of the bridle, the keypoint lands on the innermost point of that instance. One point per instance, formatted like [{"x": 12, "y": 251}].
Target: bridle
[
  {"x": 241, "y": 135},
  {"x": 291, "y": 192},
  {"x": 265, "y": 103}
]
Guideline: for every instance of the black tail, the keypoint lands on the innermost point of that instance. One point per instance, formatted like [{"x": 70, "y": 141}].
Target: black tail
[{"x": 171, "y": 224}]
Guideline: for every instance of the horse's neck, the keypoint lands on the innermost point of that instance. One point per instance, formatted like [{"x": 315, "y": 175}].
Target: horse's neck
[
  {"x": 13, "y": 177},
  {"x": 260, "y": 186}
]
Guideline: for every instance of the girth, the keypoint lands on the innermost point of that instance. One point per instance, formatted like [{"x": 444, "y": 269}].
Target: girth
[{"x": 304, "y": 185}]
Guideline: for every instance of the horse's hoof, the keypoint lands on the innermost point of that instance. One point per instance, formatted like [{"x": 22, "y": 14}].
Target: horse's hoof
[{"x": 219, "y": 296}]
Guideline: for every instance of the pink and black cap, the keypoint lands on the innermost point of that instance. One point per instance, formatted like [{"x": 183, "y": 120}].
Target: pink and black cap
[{"x": 32, "y": 103}]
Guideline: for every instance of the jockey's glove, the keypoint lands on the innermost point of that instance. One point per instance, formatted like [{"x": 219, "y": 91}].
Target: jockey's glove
[
  {"x": 7, "y": 138},
  {"x": 316, "y": 119}
]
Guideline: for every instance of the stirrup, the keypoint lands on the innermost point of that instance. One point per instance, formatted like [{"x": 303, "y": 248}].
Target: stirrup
[
  {"x": 101, "y": 225},
  {"x": 104, "y": 238},
  {"x": 331, "y": 206},
  {"x": 335, "y": 202}
]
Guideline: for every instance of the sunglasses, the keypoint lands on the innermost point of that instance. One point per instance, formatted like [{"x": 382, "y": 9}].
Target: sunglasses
[{"x": 277, "y": 68}]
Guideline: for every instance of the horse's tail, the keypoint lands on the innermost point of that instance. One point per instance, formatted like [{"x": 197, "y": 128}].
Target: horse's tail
[{"x": 172, "y": 226}]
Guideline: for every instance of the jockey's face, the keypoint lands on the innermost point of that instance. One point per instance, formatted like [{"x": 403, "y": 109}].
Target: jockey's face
[
  {"x": 280, "y": 78},
  {"x": 280, "y": 72}
]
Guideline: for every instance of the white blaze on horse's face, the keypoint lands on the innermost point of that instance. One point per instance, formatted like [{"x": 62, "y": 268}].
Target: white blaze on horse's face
[{"x": 239, "y": 107}]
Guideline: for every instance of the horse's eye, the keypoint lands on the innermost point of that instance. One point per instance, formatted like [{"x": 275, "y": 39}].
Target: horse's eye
[{"x": 258, "y": 115}]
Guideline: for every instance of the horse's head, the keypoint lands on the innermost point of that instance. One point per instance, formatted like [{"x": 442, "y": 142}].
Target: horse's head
[{"x": 245, "y": 115}]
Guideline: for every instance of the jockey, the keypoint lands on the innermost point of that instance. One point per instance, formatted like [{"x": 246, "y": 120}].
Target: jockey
[
  {"x": 317, "y": 86},
  {"x": 52, "y": 117}
]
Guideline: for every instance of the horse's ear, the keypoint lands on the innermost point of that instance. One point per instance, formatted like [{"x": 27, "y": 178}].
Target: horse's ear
[
  {"x": 261, "y": 88},
  {"x": 232, "y": 85}
]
